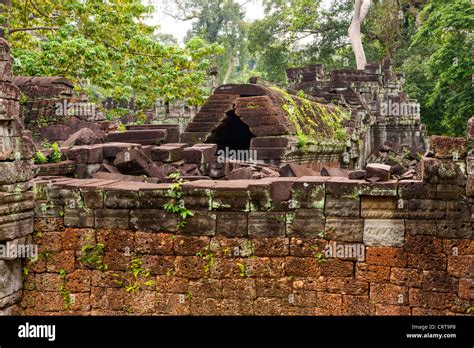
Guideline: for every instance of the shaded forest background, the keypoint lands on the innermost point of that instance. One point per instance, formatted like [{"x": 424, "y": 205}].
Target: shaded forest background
[{"x": 109, "y": 50}]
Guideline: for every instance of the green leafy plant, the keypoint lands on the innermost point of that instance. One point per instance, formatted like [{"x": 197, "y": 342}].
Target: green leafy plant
[
  {"x": 208, "y": 255},
  {"x": 92, "y": 256},
  {"x": 319, "y": 255},
  {"x": 40, "y": 158},
  {"x": 63, "y": 291},
  {"x": 132, "y": 279},
  {"x": 56, "y": 155},
  {"x": 121, "y": 127},
  {"x": 188, "y": 294},
  {"x": 176, "y": 204},
  {"x": 302, "y": 141},
  {"x": 242, "y": 269}
]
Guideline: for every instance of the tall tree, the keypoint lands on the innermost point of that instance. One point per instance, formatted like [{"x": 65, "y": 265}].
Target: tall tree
[
  {"x": 444, "y": 71},
  {"x": 361, "y": 9},
  {"x": 217, "y": 21},
  {"x": 301, "y": 32},
  {"x": 107, "y": 48}
]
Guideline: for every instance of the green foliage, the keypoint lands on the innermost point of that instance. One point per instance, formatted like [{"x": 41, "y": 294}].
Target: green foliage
[
  {"x": 298, "y": 33},
  {"x": 313, "y": 122},
  {"x": 318, "y": 254},
  {"x": 63, "y": 291},
  {"x": 108, "y": 49},
  {"x": 92, "y": 256},
  {"x": 302, "y": 141},
  {"x": 40, "y": 158},
  {"x": 176, "y": 204},
  {"x": 56, "y": 155},
  {"x": 219, "y": 22},
  {"x": 208, "y": 255},
  {"x": 242, "y": 269},
  {"x": 131, "y": 281},
  {"x": 444, "y": 73}
]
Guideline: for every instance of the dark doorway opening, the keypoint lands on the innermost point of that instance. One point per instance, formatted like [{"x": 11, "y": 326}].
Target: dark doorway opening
[{"x": 232, "y": 133}]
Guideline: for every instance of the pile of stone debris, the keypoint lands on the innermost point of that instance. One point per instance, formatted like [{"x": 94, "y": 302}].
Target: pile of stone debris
[{"x": 131, "y": 156}]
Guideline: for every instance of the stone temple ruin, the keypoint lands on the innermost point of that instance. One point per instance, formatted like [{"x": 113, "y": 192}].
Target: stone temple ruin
[{"x": 273, "y": 184}]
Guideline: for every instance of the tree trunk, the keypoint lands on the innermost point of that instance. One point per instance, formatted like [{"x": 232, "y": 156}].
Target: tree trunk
[
  {"x": 230, "y": 67},
  {"x": 5, "y": 6},
  {"x": 361, "y": 9}
]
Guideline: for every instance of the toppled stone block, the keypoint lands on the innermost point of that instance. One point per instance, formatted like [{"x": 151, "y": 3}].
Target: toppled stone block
[
  {"x": 87, "y": 154},
  {"x": 295, "y": 170},
  {"x": 219, "y": 168},
  {"x": 136, "y": 162},
  {"x": 447, "y": 147},
  {"x": 199, "y": 153},
  {"x": 357, "y": 175},
  {"x": 112, "y": 149},
  {"x": 269, "y": 173},
  {"x": 240, "y": 174},
  {"x": 85, "y": 171},
  {"x": 168, "y": 153},
  {"x": 329, "y": 171},
  {"x": 143, "y": 137},
  {"x": 83, "y": 136},
  {"x": 443, "y": 171},
  {"x": 376, "y": 172},
  {"x": 107, "y": 168}
]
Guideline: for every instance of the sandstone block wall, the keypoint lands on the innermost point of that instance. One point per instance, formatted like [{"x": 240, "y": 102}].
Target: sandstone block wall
[
  {"x": 16, "y": 199},
  {"x": 253, "y": 247}
]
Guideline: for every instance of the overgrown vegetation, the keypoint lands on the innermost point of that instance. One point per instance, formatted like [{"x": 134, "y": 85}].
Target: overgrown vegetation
[
  {"x": 54, "y": 157},
  {"x": 313, "y": 122},
  {"x": 208, "y": 255},
  {"x": 176, "y": 203},
  {"x": 133, "y": 278},
  {"x": 92, "y": 256},
  {"x": 63, "y": 291}
]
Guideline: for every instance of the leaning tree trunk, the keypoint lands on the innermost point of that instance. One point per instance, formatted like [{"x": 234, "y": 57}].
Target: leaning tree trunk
[{"x": 361, "y": 9}]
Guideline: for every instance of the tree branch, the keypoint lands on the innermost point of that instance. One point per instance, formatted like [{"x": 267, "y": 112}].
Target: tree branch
[
  {"x": 38, "y": 10},
  {"x": 11, "y": 31}
]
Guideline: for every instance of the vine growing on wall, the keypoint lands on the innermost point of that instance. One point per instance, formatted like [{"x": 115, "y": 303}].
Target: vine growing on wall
[{"x": 176, "y": 203}]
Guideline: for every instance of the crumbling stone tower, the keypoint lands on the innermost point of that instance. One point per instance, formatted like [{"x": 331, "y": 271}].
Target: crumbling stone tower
[
  {"x": 16, "y": 196},
  {"x": 380, "y": 110}
]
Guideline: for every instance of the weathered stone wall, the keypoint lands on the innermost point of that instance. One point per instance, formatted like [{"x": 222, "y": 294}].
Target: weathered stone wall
[
  {"x": 256, "y": 247},
  {"x": 16, "y": 198},
  {"x": 380, "y": 110}
]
